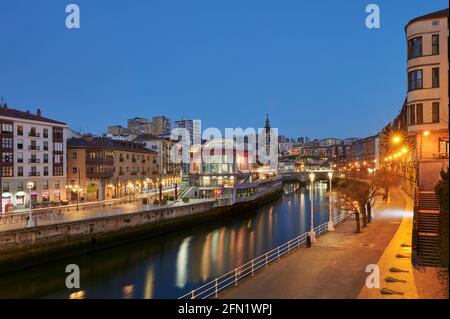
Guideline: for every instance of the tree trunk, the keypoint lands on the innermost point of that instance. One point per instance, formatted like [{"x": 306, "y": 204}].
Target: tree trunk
[
  {"x": 364, "y": 216},
  {"x": 358, "y": 226},
  {"x": 369, "y": 212}
]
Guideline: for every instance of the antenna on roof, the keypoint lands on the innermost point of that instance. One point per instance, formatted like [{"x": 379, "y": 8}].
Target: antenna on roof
[{"x": 1, "y": 100}]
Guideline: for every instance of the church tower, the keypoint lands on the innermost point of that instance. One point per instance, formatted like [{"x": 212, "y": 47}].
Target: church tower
[{"x": 267, "y": 127}]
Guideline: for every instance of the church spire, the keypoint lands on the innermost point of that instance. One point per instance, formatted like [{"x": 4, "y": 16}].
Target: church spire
[{"x": 267, "y": 122}]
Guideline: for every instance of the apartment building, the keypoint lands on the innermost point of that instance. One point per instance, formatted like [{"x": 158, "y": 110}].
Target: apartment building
[
  {"x": 426, "y": 108},
  {"x": 165, "y": 164},
  {"x": 33, "y": 150},
  {"x": 161, "y": 126},
  {"x": 139, "y": 125},
  {"x": 104, "y": 168},
  {"x": 193, "y": 127}
]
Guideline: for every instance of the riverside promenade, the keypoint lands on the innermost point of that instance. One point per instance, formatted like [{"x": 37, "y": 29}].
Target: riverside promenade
[
  {"x": 335, "y": 266},
  {"x": 88, "y": 210}
]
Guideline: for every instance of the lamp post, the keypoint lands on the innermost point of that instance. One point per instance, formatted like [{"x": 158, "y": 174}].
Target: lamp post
[
  {"x": 30, "y": 186},
  {"x": 78, "y": 191},
  {"x": 330, "y": 221},
  {"x": 312, "y": 234}
]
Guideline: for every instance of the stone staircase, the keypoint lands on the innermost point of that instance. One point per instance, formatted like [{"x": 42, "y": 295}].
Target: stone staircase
[{"x": 427, "y": 229}]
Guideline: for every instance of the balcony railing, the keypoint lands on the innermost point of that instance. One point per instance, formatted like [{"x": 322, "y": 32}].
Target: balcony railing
[
  {"x": 34, "y": 134},
  {"x": 34, "y": 174},
  {"x": 34, "y": 148},
  {"x": 34, "y": 160},
  {"x": 440, "y": 156}
]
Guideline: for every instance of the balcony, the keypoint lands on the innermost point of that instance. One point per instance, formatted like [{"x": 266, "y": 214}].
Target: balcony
[
  {"x": 34, "y": 148},
  {"x": 34, "y": 160},
  {"x": 440, "y": 156},
  {"x": 34, "y": 174},
  {"x": 34, "y": 134}
]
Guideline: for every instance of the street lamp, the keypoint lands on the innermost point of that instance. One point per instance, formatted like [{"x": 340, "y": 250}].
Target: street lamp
[
  {"x": 30, "y": 186},
  {"x": 78, "y": 191},
  {"x": 312, "y": 234},
  {"x": 330, "y": 222},
  {"x": 396, "y": 139}
]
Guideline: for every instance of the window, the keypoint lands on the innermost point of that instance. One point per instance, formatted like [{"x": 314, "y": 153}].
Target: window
[
  {"x": 20, "y": 130},
  {"x": 57, "y": 146},
  {"x": 7, "y": 128},
  {"x": 45, "y": 146},
  {"x": 5, "y": 187},
  {"x": 443, "y": 148},
  {"x": 57, "y": 185},
  {"x": 419, "y": 113},
  {"x": 74, "y": 155},
  {"x": 7, "y": 143},
  {"x": 74, "y": 170},
  {"x": 412, "y": 114},
  {"x": 7, "y": 157},
  {"x": 45, "y": 185},
  {"x": 7, "y": 171},
  {"x": 57, "y": 170},
  {"x": 435, "y": 112},
  {"x": 33, "y": 132},
  {"x": 45, "y": 158},
  {"x": 19, "y": 157},
  {"x": 19, "y": 170},
  {"x": 20, "y": 144},
  {"x": 45, "y": 132},
  {"x": 45, "y": 170},
  {"x": 57, "y": 159},
  {"x": 435, "y": 77},
  {"x": 415, "y": 80},
  {"x": 415, "y": 47},
  {"x": 435, "y": 44}
]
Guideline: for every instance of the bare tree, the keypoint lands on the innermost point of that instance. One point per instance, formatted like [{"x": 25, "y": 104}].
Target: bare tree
[{"x": 352, "y": 197}]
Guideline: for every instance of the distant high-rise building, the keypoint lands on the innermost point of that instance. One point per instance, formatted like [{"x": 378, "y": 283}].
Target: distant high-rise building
[
  {"x": 139, "y": 125},
  {"x": 300, "y": 140},
  {"x": 193, "y": 127},
  {"x": 117, "y": 130},
  {"x": 161, "y": 125}
]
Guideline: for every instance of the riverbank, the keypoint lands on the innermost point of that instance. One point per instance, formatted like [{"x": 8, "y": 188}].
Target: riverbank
[
  {"x": 335, "y": 266},
  {"x": 24, "y": 248}
]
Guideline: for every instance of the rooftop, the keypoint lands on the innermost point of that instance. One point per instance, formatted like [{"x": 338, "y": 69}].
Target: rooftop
[
  {"x": 106, "y": 143},
  {"x": 14, "y": 113},
  {"x": 430, "y": 16}
]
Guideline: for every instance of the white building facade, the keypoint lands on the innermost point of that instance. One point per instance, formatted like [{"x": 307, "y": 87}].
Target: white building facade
[{"x": 33, "y": 149}]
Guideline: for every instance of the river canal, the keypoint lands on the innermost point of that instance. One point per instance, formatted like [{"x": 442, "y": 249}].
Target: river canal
[{"x": 170, "y": 265}]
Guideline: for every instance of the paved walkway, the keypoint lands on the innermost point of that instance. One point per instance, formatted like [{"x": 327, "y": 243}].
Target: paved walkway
[
  {"x": 335, "y": 266},
  {"x": 95, "y": 212}
]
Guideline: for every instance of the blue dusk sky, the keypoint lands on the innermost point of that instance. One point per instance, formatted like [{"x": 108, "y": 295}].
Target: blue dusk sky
[{"x": 312, "y": 65}]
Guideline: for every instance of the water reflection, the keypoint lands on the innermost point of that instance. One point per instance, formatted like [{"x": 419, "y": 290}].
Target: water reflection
[
  {"x": 169, "y": 266},
  {"x": 182, "y": 263}
]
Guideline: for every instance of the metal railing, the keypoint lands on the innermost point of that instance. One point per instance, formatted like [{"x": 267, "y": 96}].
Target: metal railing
[
  {"x": 231, "y": 278},
  {"x": 58, "y": 213}
]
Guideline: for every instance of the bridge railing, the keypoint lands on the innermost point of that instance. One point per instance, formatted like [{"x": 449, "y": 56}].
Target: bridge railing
[{"x": 231, "y": 278}]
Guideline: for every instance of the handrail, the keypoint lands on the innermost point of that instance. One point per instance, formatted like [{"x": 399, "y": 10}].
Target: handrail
[{"x": 232, "y": 277}]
